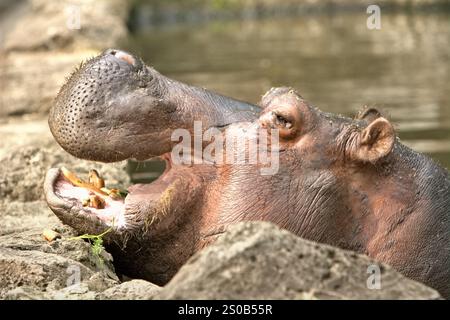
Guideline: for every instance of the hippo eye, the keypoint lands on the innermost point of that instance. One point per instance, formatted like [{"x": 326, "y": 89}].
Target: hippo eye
[{"x": 282, "y": 121}]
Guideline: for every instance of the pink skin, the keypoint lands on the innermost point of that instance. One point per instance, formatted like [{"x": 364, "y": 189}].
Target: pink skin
[{"x": 111, "y": 215}]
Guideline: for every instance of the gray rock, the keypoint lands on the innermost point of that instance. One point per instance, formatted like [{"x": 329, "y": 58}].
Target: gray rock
[
  {"x": 32, "y": 268},
  {"x": 17, "y": 216},
  {"x": 79, "y": 291},
  {"x": 260, "y": 261},
  {"x": 131, "y": 290},
  {"x": 53, "y": 25},
  {"x": 22, "y": 132},
  {"x": 25, "y": 293},
  {"x": 43, "y": 43}
]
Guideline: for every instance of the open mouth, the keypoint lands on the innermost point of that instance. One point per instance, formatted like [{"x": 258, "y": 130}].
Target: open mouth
[{"x": 119, "y": 209}]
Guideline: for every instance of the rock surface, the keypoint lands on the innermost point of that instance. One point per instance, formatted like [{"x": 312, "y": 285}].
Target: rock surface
[
  {"x": 45, "y": 38},
  {"x": 260, "y": 261},
  {"x": 64, "y": 269},
  {"x": 130, "y": 290},
  {"x": 253, "y": 260},
  {"x": 30, "y": 267}
]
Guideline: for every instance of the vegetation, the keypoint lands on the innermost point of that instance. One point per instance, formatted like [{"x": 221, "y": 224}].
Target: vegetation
[{"x": 96, "y": 242}]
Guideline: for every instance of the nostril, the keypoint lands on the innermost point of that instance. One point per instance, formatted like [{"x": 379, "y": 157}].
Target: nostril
[{"x": 123, "y": 56}]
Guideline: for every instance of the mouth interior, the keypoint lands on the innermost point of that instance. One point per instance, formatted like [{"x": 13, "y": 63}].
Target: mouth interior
[{"x": 113, "y": 212}]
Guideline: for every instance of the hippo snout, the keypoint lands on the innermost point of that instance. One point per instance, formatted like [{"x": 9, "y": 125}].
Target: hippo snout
[
  {"x": 93, "y": 102},
  {"x": 114, "y": 107}
]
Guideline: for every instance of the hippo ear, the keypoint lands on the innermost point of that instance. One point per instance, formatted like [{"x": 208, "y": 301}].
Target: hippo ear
[
  {"x": 376, "y": 141},
  {"x": 368, "y": 114}
]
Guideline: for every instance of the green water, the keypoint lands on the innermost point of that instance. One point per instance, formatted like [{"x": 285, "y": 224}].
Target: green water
[{"x": 335, "y": 62}]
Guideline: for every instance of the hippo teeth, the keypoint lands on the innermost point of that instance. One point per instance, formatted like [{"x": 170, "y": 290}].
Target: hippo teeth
[
  {"x": 113, "y": 207},
  {"x": 111, "y": 212}
]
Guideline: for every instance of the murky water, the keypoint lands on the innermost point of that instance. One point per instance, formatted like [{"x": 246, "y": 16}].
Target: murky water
[{"x": 335, "y": 62}]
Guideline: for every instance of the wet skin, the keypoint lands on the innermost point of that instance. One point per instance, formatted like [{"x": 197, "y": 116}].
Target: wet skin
[{"x": 345, "y": 182}]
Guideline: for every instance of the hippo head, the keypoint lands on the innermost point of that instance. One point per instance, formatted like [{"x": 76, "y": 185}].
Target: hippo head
[
  {"x": 341, "y": 181},
  {"x": 114, "y": 107}
]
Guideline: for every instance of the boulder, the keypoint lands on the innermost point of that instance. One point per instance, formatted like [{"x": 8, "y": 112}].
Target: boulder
[
  {"x": 32, "y": 268},
  {"x": 17, "y": 216},
  {"x": 130, "y": 290},
  {"x": 43, "y": 41},
  {"x": 66, "y": 268},
  {"x": 258, "y": 260},
  {"x": 56, "y": 25}
]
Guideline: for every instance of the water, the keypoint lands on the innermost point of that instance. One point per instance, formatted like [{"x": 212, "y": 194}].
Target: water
[{"x": 334, "y": 61}]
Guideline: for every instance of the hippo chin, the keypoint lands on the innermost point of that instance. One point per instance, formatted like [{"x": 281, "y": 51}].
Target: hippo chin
[{"x": 340, "y": 181}]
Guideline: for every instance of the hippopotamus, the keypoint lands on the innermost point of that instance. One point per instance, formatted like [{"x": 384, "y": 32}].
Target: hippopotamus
[{"x": 346, "y": 182}]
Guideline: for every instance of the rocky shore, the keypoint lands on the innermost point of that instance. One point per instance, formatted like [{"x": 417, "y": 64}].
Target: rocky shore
[{"x": 251, "y": 261}]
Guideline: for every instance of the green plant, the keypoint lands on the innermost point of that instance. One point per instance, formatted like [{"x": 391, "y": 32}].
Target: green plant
[{"x": 96, "y": 241}]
